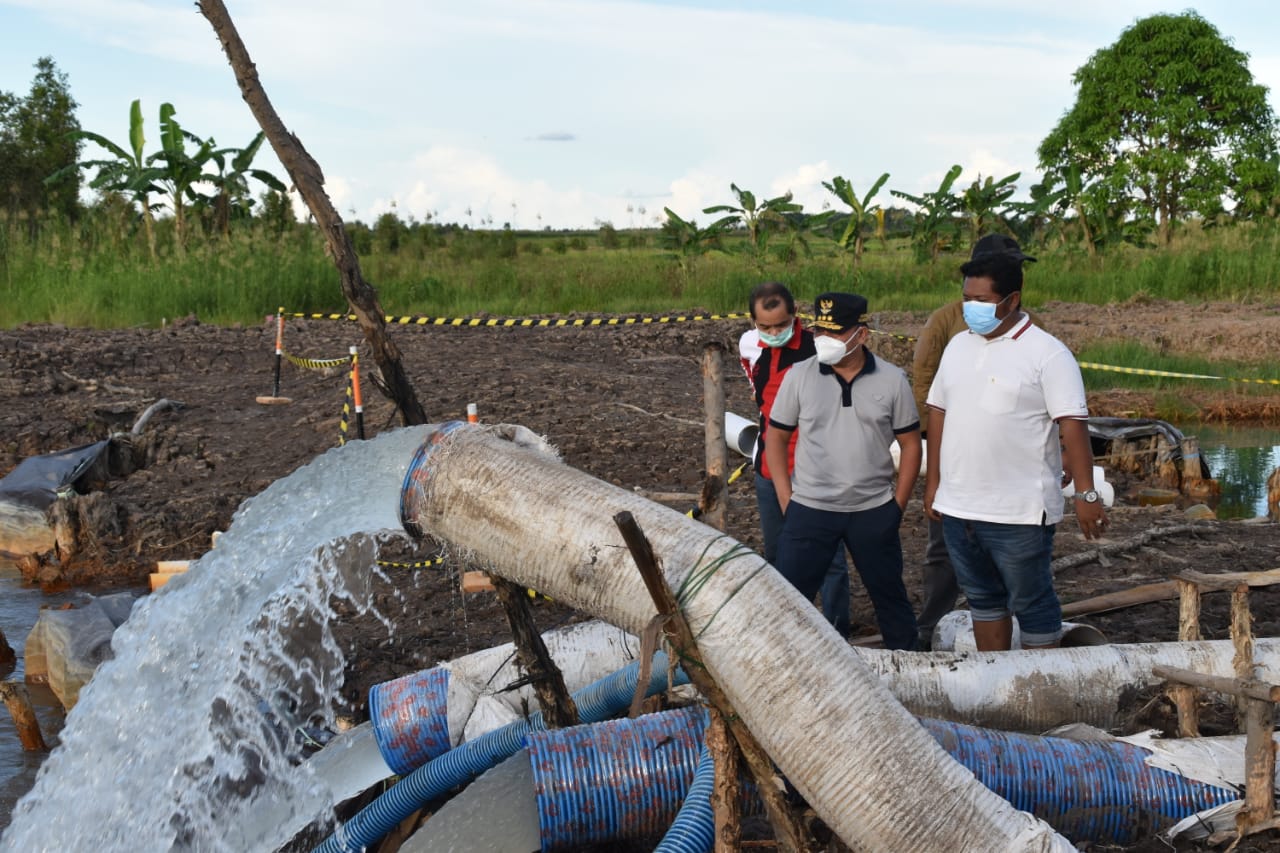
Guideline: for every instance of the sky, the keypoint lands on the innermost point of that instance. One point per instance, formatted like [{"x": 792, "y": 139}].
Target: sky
[{"x": 566, "y": 113}]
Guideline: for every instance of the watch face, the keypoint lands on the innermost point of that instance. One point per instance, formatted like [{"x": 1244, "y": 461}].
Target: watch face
[{"x": 1091, "y": 496}]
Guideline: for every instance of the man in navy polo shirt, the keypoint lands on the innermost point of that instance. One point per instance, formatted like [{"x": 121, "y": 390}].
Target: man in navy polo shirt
[{"x": 848, "y": 407}]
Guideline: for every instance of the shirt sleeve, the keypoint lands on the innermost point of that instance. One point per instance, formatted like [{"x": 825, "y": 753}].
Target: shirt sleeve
[
  {"x": 1063, "y": 386},
  {"x": 905, "y": 414},
  {"x": 749, "y": 352},
  {"x": 924, "y": 364},
  {"x": 936, "y": 394},
  {"x": 785, "y": 413}
]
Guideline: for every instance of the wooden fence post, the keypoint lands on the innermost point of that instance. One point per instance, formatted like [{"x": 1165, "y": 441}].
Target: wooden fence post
[{"x": 715, "y": 491}]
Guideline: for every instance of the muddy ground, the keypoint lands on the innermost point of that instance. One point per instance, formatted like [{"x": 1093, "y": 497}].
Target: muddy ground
[{"x": 621, "y": 403}]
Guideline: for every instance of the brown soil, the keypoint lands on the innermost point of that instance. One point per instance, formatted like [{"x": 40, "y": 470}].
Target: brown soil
[{"x": 621, "y": 403}]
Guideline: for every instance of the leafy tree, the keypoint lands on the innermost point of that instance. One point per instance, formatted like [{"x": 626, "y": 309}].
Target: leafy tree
[
  {"x": 388, "y": 232},
  {"x": 758, "y": 218},
  {"x": 861, "y": 214},
  {"x": 934, "y": 226},
  {"x": 1170, "y": 116},
  {"x": 275, "y": 211},
  {"x": 127, "y": 173},
  {"x": 38, "y": 139}
]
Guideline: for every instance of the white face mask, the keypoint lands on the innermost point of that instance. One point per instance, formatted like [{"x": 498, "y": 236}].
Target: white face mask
[{"x": 831, "y": 349}]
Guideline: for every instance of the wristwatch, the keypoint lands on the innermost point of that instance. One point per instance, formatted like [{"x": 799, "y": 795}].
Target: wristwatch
[{"x": 1089, "y": 497}]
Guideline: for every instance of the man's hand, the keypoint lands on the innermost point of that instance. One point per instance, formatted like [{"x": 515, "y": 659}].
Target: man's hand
[
  {"x": 1092, "y": 518},
  {"x": 930, "y": 490}
]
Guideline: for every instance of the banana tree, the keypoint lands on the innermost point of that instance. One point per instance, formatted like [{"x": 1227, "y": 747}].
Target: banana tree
[
  {"x": 935, "y": 225},
  {"x": 982, "y": 199},
  {"x": 232, "y": 181},
  {"x": 690, "y": 242},
  {"x": 128, "y": 173},
  {"x": 178, "y": 170},
  {"x": 1035, "y": 221},
  {"x": 861, "y": 213},
  {"x": 758, "y": 218}
]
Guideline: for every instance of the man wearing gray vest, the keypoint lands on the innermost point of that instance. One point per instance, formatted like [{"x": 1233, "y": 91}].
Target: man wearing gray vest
[{"x": 849, "y": 407}]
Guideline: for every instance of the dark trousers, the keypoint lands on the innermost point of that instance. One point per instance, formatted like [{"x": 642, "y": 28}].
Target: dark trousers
[
  {"x": 809, "y": 538},
  {"x": 938, "y": 585},
  {"x": 836, "y": 595}
]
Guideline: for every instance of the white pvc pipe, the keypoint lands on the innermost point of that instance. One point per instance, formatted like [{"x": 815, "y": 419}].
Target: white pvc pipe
[
  {"x": 858, "y": 757},
  {"x": 741, "y": 434}
]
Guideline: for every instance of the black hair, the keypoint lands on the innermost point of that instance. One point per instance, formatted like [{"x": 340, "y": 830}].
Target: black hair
[
  {"x": 770, "y": 293},
  {"x": 1004, "y": 271}
]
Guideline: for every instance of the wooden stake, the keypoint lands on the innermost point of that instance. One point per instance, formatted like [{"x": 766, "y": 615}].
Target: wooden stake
[
  {"x": 18, "y": 701},
  {"x": 1191, "y": 473},
  {"x": 1242, "y": 641},
  {"x": 788, "y": 830},
  {"x": 713, "y": 502},
  {"x": 1185, "y": 698},
  {"x": 1260, "y": 765},
  {"x": 558, "y": 708},
  {"x": 726, "y": 798}
]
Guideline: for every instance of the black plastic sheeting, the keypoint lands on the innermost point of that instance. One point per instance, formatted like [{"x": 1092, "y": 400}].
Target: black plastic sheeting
[{"x": 37, "y": 480}]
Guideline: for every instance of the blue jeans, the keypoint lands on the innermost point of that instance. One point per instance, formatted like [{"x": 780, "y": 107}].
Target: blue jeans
[
  {"x": 809, "y": 538},
  {"x": 1003, "y": 569},
  {"x": 836, "y": 595}
]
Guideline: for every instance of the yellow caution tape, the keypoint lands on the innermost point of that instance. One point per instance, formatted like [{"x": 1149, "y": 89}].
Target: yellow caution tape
[
  {"x": 316, "y": 363},
  {"x": 1142, "y": 371},
  {"x": 420, "y": 564},
  {"x": 535, "y": 322}
]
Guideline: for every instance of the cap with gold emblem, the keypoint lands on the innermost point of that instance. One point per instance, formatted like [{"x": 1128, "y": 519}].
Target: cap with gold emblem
[{"x": 837, "y": 312}]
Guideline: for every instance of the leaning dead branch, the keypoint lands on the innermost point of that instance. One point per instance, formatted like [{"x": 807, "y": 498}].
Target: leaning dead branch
[{"x": 309, "y": 180}]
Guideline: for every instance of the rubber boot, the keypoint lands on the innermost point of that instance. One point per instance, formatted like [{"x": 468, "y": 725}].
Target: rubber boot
[{"x": 994, "y": 636}]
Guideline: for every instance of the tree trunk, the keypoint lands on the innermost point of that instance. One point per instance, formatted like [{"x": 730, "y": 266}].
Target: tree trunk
[{"x": 307, "y": 177}]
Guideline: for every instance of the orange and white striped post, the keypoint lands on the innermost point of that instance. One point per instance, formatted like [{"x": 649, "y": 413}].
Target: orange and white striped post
[
  {"x": 275, "y": 387},
  {"x": 355, "y": 392}
]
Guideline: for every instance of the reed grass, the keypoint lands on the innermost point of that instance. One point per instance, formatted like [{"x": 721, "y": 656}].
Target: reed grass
[{"x": 96, "y": 275}]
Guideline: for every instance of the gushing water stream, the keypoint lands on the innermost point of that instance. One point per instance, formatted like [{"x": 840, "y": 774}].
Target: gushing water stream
[{"x": 185, "y": 740}]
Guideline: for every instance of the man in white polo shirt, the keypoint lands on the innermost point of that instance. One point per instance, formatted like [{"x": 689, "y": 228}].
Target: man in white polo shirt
[
  {"x": 1006, "y": 400},
  {"x": 849, "y": 407}
]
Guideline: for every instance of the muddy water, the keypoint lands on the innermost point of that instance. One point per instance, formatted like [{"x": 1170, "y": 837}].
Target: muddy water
[
  {"x": 19, "y": 607},
  {"x": 1241, "y": 459}
]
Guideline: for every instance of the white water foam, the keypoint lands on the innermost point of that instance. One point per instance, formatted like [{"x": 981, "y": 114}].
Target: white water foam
[{"x": 186, "y": 736}]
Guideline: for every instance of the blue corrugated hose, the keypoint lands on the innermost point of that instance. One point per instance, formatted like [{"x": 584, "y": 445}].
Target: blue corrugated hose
[
  {"x": 694, "y": 829},
  {"x": 1098, "y": 791},
  {"x": 596, "y": 702},
  {"x": 621, "y": 779},
  {"x": 1102, "y": 792},
  {"x": 410, "y": 717}
]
